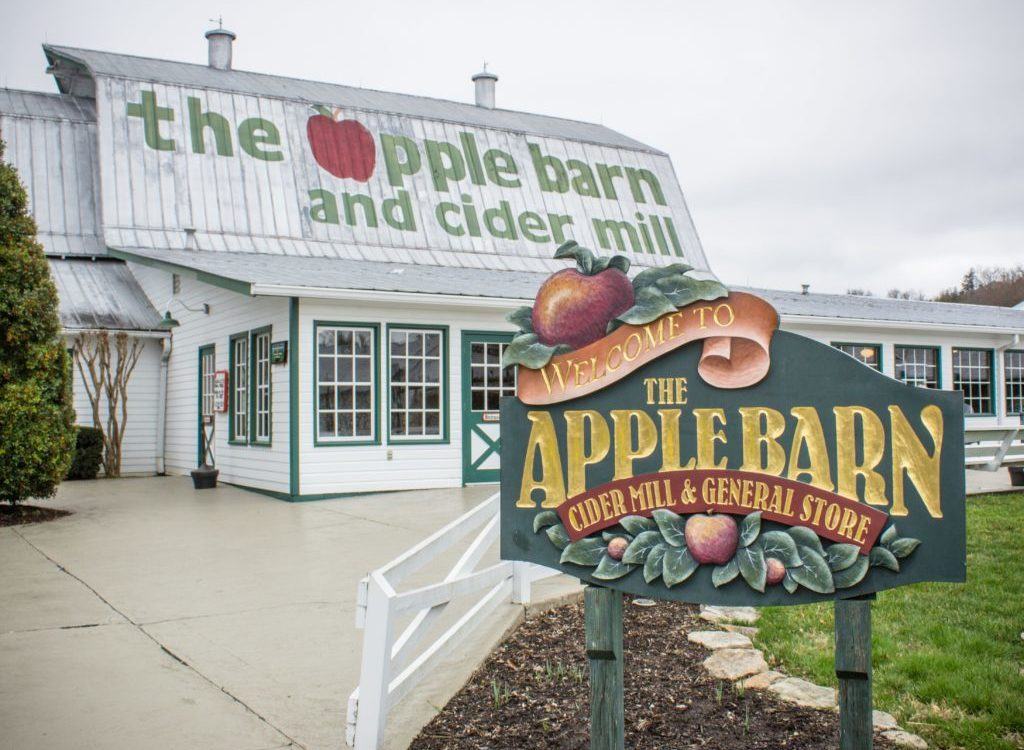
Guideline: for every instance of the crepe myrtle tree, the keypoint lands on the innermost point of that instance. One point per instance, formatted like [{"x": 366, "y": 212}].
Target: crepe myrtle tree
[
  {"x": 106, "y": 362},
  {"x": 36, "y": 414}
]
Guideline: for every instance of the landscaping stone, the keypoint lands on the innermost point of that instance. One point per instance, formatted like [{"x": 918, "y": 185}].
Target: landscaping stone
[
  {"x": 742, "y": 615},
  {"x": 719, "y": 639},
  {"x": 804, "y": 693},
  {"x": 882, "y": 720},
  {"x": 747, "y": 630},
  {"x": 735, "y": 663},
  {"x": 905, "y": 739},
  {"x": 763, "y": 680}
]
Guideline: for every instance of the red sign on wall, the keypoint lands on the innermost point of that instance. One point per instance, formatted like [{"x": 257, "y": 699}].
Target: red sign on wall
[{"x": 220, "y": 390}]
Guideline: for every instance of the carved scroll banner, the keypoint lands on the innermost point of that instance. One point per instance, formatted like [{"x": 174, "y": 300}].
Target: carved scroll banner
[
  {"x": 778, "y": 499},
  {"x": 736, "y": 331}
]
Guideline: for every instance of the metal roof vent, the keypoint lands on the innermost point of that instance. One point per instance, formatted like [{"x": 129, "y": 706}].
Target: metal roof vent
[
  {"x": 220, "y": 40},
  {"x": 805, "y": 289},
  {"x": 485, "y": 81}
]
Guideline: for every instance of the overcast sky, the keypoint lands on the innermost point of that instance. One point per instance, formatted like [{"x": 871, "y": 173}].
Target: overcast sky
[{"x": 853, "y": 144}]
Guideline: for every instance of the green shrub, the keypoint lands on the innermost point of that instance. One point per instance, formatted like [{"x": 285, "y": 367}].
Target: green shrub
[
  {"x": 36, "y": 415},
  {"x": 88, "y": 454}
]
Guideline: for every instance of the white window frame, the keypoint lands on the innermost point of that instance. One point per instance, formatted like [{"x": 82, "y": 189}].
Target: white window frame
[
  {"x": 261, "y": 426},
  {"x": 352, "y": 383},
  {"x": 239, "y": 388},
  {"x": 440, "y": 383}
]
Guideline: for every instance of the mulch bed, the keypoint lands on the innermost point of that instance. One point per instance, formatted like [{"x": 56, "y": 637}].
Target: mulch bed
[
  {"x": 534, "y": 692},
  {"x": 15, "y": 515}
]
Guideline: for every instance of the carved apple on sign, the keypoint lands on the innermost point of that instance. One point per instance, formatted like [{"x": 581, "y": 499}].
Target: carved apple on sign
[
  {"x": 344, "y": 148},
  {"x": 575, "y": 306}
]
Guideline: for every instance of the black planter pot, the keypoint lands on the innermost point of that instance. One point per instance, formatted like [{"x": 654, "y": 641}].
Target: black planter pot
[
  {"x": 205, "y": 477},
  {"x": 1016, "y": 476}
]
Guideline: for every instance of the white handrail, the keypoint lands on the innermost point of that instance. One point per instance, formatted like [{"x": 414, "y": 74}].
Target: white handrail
[{"x": 384, "y": 675}]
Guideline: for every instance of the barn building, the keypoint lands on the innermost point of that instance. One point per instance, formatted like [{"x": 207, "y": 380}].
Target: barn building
[{"x": 319, "y": 274}]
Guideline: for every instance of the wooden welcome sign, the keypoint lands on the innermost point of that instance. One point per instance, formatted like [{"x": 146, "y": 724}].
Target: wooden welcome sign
[{"x": 668, "y": 441}]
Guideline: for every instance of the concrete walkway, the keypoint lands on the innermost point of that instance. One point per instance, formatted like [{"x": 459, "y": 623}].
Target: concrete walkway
[{"x": 161, "y": 617}]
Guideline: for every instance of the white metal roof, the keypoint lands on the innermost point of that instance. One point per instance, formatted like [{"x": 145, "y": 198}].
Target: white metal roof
[
  {"x": 101, "y": 294},
  {"x": 317, "y": 92},
  {"x": 51, "y": 141},
  {"x": 258, "y": 273}
]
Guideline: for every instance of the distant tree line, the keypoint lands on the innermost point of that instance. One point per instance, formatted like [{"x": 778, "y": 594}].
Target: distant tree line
[{"x": 1001, "y": 287}]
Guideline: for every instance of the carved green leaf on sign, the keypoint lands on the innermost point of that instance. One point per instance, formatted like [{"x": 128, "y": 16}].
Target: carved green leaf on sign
[
  {"x": 677, "y": 566},
  {"x": 653, "y": 566},
  {"x": 639, "y": 549},
  {"x": 671, "y": 526},
  {"x": 658, "y": 546},
  {"x": 587, "y": 551}
]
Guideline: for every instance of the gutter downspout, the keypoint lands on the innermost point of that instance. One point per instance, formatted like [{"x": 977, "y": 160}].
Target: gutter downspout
[{"x": 167, "y": 345}]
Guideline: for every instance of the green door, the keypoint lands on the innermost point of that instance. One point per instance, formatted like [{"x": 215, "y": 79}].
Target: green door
[
  {"x": 207, "y": 365},
  {"x": 484, "y": 382}
]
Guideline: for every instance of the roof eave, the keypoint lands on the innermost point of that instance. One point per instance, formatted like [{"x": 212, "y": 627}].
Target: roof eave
[{"x": 239, "y": 286}]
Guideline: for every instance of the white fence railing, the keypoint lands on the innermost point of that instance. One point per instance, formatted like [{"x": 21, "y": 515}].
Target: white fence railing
[
  {"x": 389, "y": 667},
  {"x": 992, "y": 447}
]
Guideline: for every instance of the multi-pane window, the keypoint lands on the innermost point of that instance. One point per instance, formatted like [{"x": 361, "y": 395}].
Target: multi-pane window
[
  {"x": 346, "y": 380},
  {"x": 489, "y": 381},
  {"x": 207, "y": 365},
  {"x": 972, "y": 374},
  {"x": 917, "y": 365},
  {"x": 416, "y": 382},
  {"x": 1013, "y": 376},
  {"x": 261, "y": 386},
  {"x": 869, "y": 354},
  {"x": 240, "y": 388}
]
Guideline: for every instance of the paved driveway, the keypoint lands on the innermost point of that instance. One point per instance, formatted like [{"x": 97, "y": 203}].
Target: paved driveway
[{"x": 161, "y": 617}]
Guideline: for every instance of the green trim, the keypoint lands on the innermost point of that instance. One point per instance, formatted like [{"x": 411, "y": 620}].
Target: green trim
[
  {"x": 938, "y": 360},
  {"x": 234, "y": 285},
  {"x": 202, "y": 350},
  {"x": 293, "y": 395},
  {"x": 445, "y": 437},
  {"x": 991, "y": 376},
  {"x": 876, "y": 347},
  {"x": 1006, "y": 394},
  {"x": 318, "y": 442},
  {"x": 267, "y": 441},
  {"x": 468, "y": 337},
  {"x": 297, "y": 498},
  {"x": 232, "y": 404}
]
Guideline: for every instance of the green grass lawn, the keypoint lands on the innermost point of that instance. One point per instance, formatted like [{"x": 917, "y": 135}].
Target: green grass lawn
[{"x": 948, "y": 658}]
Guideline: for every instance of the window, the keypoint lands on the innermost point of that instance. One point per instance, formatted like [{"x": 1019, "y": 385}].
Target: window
[
  {"x": 869, "y": 354},
  {"x": 1013, "y": 375},
  {"x": 417, "y": 370},
  {"x": 972, "y": 374},
  {"x": 346, "y": 383},
  {"x": 207, "y": 365},
  {"x": 261, "y": 386},
  {"x": 917, "y": 365},
  {"x": 489, "y": 380},
  {"x": 239, "y": 370}
]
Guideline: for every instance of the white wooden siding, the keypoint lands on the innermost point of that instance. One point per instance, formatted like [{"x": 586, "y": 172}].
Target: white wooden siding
[
  {"x": 353, "y": 468},
  {"x": 259, "y": 466},
  {"x": 245, "y": 204},
  {"x": 138, "y": 449}
]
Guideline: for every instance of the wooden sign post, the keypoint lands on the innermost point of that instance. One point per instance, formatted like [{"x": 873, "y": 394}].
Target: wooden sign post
[{"x": 666, "y": 440}]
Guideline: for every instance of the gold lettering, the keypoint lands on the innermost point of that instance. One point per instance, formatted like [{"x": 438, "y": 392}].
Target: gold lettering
[
  {"x": 551, "y": 483},
  {"x": 773, "y": 459},
  {"x": 808, "y": 433},
  {"x": 707, "y": 436},
  {"x": 873, "y": 442},
  {"x": 576, "y": 432},
  {"x": 646, "y": 439},
  {"x": 910, "y": 457}
]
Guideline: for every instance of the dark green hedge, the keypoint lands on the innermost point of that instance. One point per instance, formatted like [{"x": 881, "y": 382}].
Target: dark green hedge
[{"x": 88, "y": 454}]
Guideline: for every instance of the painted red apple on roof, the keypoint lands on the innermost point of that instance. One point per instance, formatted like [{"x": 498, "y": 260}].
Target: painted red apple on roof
[{"x": 344, "y": 148}]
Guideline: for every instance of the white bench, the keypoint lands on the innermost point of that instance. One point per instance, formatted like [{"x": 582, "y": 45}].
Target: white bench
[{"x": 989, "y": 448}]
